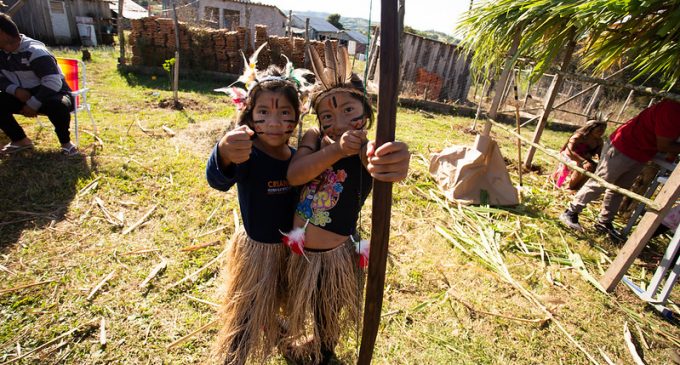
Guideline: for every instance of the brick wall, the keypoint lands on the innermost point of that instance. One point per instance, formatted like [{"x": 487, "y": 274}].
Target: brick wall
[{"x": 153, "y": 41}]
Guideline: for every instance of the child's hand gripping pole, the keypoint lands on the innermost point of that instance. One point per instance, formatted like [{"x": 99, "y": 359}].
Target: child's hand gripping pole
[{"x": 295, "y": 240}]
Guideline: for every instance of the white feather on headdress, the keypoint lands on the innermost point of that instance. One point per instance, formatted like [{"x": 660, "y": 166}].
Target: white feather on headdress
[
  {"x": 298, "y": 76},
  {"x": 250, "y": 68}
]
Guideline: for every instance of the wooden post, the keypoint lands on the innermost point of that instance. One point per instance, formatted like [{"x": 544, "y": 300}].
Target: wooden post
[
  {"x": 636, "y": 242},
  {"x": 400, "y": 15},
  {"x": 175, "y": 69},
  {"x": 479, "y": 105},
  {"x": 592, "y": 102},
  {"x": 553, "y": 90},
  {"x": 290, "y": 26},
  {"x": 625, "y": 104},
  {"x": 382, "y": 191},
  {"x": 526, "y": 96},
  {"x": 502, "y": 81},
  {"x": 519, "y": 141},
  {"x": 373, "y": 55},
  {"x": 508, "y": 87},
  {"x": 307, "y": 60},
  {"x": 121, "y": 36}
]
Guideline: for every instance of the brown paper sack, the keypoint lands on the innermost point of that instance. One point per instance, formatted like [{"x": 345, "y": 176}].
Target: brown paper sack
[{"x": 463, "y": 173}]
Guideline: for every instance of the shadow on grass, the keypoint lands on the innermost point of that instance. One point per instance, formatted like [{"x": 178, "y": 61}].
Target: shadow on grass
[
  {"x": 37, "y": 187},
  {"x": 189, "y": 81}
]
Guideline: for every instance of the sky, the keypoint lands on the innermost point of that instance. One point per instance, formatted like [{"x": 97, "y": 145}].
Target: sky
[{"x": 440, "y": 15}]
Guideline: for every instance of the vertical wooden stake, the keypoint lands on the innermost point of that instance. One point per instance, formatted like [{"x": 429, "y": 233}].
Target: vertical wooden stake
[
  {"x": 500, "y": 85},
  {"x": 308, "y": 64},
  {"x": 519, "y": 141},
  {"x": 382, "y": 191},
  {"x": 121, "y": 36},
  {"x": 553, "y": 91},
  {"x": 625, "y": 105},
  {"x": 290, "y": 26},
  {"x": 175, "y": 79}
]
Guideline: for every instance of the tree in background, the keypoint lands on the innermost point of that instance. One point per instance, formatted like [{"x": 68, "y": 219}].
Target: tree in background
[
  {"x": 335, "y": 20},
  {"x": 645, "y": 34}
]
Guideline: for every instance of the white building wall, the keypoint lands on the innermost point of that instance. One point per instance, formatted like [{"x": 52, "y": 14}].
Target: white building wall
[{"x": 259, "y": 14}]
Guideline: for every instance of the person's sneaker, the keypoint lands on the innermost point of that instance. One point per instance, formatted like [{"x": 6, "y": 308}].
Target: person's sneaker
[
  {"x": 570, "y": 219},
  {"x": 609, "y": 229}
]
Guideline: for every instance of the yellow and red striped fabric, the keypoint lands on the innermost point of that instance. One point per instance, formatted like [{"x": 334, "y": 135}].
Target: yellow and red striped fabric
[{"x": 69, "y": 67}]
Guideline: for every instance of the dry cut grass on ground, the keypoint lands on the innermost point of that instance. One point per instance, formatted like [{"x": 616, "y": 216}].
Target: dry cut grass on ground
[{"x": 124, "y": 247}]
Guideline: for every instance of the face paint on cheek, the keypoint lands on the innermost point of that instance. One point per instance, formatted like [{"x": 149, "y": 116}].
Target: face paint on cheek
[
  {"x": 290, "y": 127},
  {"x": 358, "y": 122},
  {"x": 257, "y": 126}
]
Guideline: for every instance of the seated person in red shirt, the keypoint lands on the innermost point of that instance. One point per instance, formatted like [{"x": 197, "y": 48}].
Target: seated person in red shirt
[{"x": 654, "y": 130}]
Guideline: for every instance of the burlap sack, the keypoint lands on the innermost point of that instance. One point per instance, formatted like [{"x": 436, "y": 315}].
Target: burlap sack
[{"x": 474, "y": 175}]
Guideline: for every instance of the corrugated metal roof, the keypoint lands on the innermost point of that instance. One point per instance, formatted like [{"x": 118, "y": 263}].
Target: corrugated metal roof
[
  {"x": 358, "y": 37},
  {"x": 318, "y": 24},
  {"x": 131, "y": 10}
]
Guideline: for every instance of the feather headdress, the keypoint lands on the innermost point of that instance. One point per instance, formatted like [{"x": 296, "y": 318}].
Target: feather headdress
[
  {"x": 302, "y": 79},
  {"x": 333, "y": 75}
]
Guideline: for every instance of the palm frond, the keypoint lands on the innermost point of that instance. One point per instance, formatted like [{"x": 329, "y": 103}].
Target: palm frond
[{"x": 645, "y": 34}]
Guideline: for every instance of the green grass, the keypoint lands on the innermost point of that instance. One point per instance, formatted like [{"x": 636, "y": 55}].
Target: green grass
[{"x": 52, "y": 230}]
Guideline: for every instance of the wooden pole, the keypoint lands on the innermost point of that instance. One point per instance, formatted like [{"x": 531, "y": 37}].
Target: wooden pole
[
  {"x": 175, "y": 69},
  {"x": 519, "y": 141},
  {"x": 636, "y": 242},
  {"x": 624, "y": 106},
  {"x": 121, "y": 36},
  {"x": 307, "y": 60},
  {"x": 593, "y": 100},
  {"x": 373, "y": 55},
  {"x": 290, "y": 26},
  {"x": 553, "y": 91},
  {"x": 382, "y": 191},
  {"x": 479, "y": 105},
  {"x": 526, "y": 96},
  {"x": 502, "y": 81},
  {"x": 508, "y": 87}
]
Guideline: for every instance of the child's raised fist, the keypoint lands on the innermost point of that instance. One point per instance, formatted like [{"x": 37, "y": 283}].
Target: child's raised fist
[{"x": 236, "y": 145}]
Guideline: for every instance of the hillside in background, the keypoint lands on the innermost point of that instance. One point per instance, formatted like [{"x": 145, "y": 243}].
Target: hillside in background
[{"x": 361, "y": 25}]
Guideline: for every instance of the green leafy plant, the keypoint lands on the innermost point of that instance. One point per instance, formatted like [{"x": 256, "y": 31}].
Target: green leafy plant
[{"x": 169, "y": 64}]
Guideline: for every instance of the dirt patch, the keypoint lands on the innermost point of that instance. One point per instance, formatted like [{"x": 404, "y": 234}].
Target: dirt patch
[
  {"x": 201, "y": 137},
  {"x": 184, "y": 104}
]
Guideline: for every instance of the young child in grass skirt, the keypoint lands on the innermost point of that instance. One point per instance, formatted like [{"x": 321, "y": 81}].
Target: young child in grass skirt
[
  {"x": 336, "y": 164},
  {"x": 255, "y": 156}
]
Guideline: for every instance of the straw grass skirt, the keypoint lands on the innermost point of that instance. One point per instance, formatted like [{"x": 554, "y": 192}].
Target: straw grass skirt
[
  {"x": 324, "y": 300},
  {"x": 251, "y": 300}
]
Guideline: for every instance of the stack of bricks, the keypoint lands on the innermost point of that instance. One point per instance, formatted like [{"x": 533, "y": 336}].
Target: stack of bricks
[
  {"x": 263, "y": 58},
  {"x": 242, "y": 33},
  {"x": 298, "y": 57},
  {"x": 153, "y": 41},
  {"x": 428, "y": 84}
]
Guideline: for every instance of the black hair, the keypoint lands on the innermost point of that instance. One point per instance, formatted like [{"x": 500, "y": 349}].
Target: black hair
[
  {"x": 287, "y": 88},
  {"x": 8, "y": 26},
  {"x": 355, "y": 88}
]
